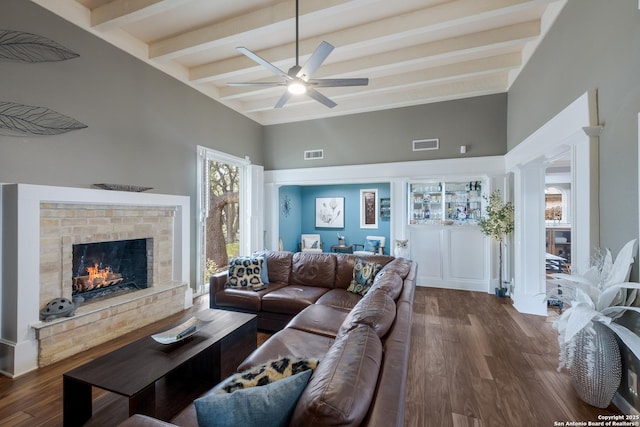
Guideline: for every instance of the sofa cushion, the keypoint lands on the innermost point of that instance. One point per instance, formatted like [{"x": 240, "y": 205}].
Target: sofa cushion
[
  {"x": 388, "y": 405},
  {"x": 342, "y": 387},
  {"x": 244, "y": 272},
  {"x": 269, "y": 405},
  {"x": 339, "y": 298},
  {"x": 402, "y": 266},
  {"x": 344, "y": 270},
  {"x": 363, "y": 275},
  {"x": 244, "y": 299},
  {"x": 313, "y": 269},
  {"x": 291, "y": 299},
  {"x": 279, "y": 263},
  {"x": 376, "y": 310},
  {"x": 293, "y": 342},
  {"x": 390, "y": 282},
  {"x": 319, "y": 319},
  {"x": 269, "y": 372}
]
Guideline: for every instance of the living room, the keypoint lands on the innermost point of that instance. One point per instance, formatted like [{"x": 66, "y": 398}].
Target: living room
[{"x": 144, "y": 127}]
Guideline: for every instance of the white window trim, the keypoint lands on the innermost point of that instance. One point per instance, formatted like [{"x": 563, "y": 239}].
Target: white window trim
[{"x": 245, "y": 190}]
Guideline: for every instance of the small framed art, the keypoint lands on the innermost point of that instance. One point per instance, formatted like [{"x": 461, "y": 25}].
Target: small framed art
[{"x": 369, "y": 208}]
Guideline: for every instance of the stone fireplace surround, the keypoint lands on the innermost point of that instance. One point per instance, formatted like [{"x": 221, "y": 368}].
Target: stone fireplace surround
[{"x": 38, "y": 225}]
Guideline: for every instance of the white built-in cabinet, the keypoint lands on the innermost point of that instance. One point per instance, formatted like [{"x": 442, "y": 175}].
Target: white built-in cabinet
[{"x": 444, "y": 237}]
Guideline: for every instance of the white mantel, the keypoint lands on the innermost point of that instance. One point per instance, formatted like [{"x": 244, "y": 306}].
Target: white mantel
[{"x": 20, "y": 257}]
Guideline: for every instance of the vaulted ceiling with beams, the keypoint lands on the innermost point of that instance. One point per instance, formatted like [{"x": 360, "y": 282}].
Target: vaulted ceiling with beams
[{"x": 413, "y": 51}]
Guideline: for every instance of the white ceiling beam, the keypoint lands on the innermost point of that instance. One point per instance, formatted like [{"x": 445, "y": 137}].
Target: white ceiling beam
[
  {"x": 458, "y": 12},
  {"x": 234, "y": 68},
  {"x": 279, "y": 16},
  {"x": 413, "y": 53},
  {"x": 118, "y": 13}
]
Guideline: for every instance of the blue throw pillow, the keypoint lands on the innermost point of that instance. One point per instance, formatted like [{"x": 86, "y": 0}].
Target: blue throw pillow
[
  {"x": 264, "y": 274},
  {"x": 373, "y": 245},
  {"x": 264, "y": 406},
  {"x": 363, "y": 275}
]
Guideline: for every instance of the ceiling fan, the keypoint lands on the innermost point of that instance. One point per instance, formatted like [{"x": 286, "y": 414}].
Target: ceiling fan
[{"x": 298, "y": 80}]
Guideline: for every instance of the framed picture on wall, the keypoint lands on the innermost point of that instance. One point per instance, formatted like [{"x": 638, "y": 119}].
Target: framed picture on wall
[
  {"x": 330, "y": 212},
  {"x": 369, "y": 208}
]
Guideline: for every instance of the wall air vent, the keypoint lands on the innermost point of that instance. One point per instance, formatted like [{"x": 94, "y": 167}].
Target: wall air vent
[
  {"x": 426, "y": 144},
  {"x": 314, "y": 154}
]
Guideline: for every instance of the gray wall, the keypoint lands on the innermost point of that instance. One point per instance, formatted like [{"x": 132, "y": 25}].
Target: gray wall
[
  {"x": 594, "y": 44},
  {"x": 143, "y": 126},
  {"x": 385, "y": 136}
]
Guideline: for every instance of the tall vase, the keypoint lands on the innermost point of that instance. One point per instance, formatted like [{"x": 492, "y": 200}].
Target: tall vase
[{"x": 595, "y": 367}]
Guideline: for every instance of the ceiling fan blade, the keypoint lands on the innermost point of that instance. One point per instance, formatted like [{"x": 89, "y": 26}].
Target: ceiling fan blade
[
  {"x": 339, "y": 82},
  {"x": 266, "y": 64},
  {"x": 320, "y": 97},
  {"x": 256, "y": 84},
  {"x": 283, "y": 99},
  {"x": 315, "y": 60}
]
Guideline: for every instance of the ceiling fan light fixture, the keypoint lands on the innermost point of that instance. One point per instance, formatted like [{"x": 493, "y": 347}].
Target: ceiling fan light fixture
[
  {"x": 298, "y": 79},
  {"x": 296, "y": 88}
]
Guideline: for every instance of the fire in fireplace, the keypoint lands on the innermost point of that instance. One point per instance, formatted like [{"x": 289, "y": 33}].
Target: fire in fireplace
[{"x": 106, "y": 268}]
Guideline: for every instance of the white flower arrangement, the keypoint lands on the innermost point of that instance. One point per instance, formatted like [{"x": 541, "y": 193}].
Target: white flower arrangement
[{"x": 601, "y": 294}]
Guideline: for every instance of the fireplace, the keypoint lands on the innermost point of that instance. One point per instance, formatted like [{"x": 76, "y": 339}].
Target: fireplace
[
  {"x": 41, "y": 226},
  {"x": 104, "y": 269}
]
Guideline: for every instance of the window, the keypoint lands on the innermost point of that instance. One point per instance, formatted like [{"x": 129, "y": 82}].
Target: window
[{"x": 223, "y": 191}]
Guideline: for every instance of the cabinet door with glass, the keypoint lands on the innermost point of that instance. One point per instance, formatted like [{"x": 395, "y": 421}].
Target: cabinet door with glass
[{"x": 445, "y": 202}]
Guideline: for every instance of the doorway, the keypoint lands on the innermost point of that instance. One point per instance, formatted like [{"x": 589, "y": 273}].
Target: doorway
[
  {"x": 557, "y": 216},
  {"x": 572, "y": 134}
]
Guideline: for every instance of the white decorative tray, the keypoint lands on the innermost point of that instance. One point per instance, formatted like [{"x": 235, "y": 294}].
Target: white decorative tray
[{"x": 186, "y": 329}]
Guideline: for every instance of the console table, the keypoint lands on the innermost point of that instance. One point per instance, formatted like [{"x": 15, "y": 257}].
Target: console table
[
  {"x": 160, "y": 380},
  {"x": 342, "y": 248}
]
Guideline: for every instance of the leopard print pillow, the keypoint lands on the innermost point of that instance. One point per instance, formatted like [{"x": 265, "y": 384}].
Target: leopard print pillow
[{"x": 271, "y": 371}]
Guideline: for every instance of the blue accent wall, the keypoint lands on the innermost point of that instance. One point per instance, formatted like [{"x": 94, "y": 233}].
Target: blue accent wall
[
  {"x": 302, "y": 218},
  {"x": 290, "y": 225}
]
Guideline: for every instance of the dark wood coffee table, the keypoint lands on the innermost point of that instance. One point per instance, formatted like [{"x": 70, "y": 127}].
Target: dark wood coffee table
[{"x": 160, "y": 380}]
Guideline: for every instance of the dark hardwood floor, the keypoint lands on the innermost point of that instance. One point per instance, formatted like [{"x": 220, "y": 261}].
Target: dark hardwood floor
[{"x": 475, "y": 361}]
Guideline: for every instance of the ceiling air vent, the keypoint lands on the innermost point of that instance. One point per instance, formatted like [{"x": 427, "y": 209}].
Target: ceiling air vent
[
  {"x": 313, "y": 154},
  {"x": 426, "y": 144}
]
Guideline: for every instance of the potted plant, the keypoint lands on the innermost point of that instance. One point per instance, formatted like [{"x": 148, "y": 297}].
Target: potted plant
[
  {"x": 497, "y": 223},
  {"x": 588, "y": 348},
  {"x": 341, "y": 241}
]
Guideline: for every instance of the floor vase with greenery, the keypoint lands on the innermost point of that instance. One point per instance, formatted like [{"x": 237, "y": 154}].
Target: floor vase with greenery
[
  {"x": 587, "y": 329},
  {"x": 497, "y": 223}
]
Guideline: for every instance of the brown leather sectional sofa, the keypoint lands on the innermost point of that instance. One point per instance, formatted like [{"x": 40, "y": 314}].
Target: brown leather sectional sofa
[{"x": 362, "y": 342}]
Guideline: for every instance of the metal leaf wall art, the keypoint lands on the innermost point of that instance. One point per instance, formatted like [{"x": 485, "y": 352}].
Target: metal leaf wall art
[
  {"x": 25, "y": 120},
  {"x": 27, "y": 47}
]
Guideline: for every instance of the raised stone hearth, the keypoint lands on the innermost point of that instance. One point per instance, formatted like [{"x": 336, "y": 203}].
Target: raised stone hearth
[{"x": 41, "y": 224}]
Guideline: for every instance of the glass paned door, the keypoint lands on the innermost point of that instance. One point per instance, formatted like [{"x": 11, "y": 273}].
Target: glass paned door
[{"x": 221, "y": 188}]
